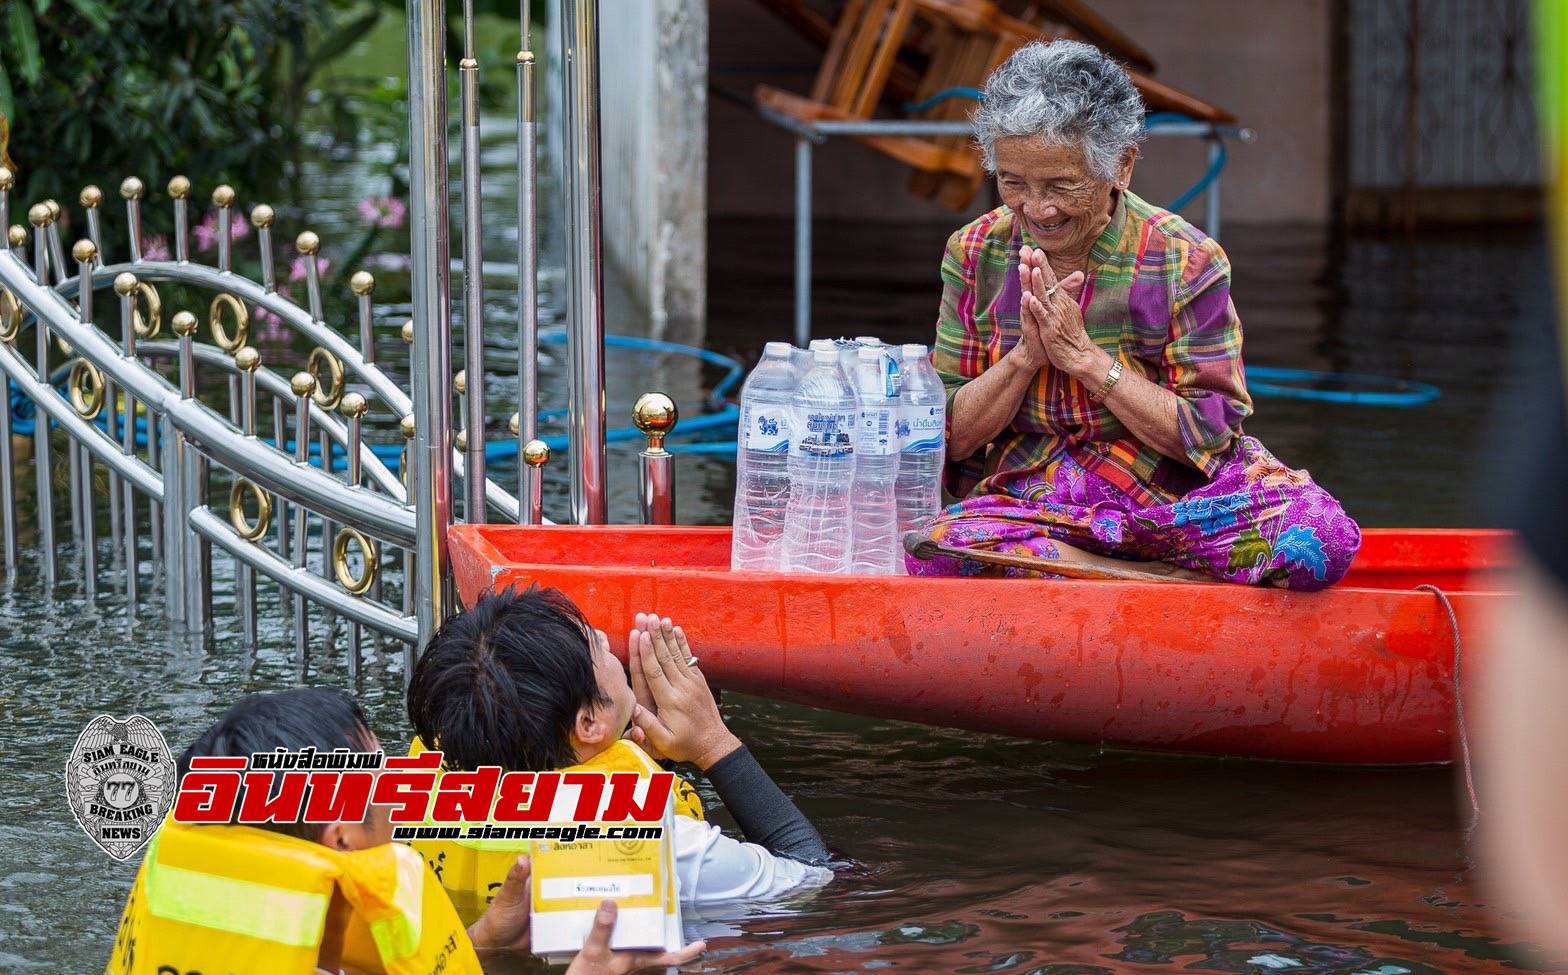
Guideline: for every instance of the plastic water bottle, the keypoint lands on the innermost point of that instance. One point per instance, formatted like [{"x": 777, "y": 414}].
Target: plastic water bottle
[
  {"x": 921, "y": 428},
  {"x": 874, "y": 539},
  {"x": 762, "y": 462},
  {"x": 821, "y": 467}
]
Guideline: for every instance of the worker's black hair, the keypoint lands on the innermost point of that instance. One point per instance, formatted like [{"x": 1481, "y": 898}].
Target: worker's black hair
[
  {"x": 502, "y": 683},
  {"x": 323, "y": 718}
]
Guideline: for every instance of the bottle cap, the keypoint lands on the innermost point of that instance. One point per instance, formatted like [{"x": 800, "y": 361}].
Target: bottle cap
[
  {"x": 869, "y": 353},
  {"x": 817, "y": 344},
  {"x": 776, "y": 348},
  {"x": 825, "y": 355},
  {"x": 870, "y": 340},
  {"x": 914, "y": 350}
]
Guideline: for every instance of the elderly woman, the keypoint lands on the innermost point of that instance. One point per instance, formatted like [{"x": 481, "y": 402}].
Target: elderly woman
[{"x": 1092, "y": 358}]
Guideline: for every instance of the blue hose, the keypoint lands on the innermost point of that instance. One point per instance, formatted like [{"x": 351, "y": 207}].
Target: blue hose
[{"x": 1397, "y": 393}]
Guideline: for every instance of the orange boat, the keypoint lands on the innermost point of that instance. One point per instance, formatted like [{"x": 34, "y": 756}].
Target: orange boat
[{"x": 1361, "y": 673}]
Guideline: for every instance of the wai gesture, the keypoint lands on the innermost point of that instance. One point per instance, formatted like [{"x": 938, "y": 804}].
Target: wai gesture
[
  {"x": 1052, "y": 322},
  {"x": 676, "y": 716}
]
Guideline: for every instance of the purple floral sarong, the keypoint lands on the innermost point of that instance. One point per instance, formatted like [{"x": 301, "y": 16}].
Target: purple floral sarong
[{"x": 1256, "y": 521}]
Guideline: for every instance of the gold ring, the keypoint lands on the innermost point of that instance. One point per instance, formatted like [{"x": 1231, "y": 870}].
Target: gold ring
[
  {"x": 403, "y": 471},
  {"x": 249, "y": 532},
  {"x": 325, "y": 400},
  {"x": 356, "y": 585},
  {"x": 147, "y": 328},
  {"x": 220, "y": 335},
  {"x": 84, "y": 377},
  {"x": 10, "y": 315},
  {"x": 1051, "y": 290}
]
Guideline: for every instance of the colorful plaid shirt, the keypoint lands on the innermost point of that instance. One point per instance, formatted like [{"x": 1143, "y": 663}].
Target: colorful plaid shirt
[{"x": 1157, "y": 297}]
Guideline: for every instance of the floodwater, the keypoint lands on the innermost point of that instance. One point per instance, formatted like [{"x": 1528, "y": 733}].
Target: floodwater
[{"x": 973, "y": 853}]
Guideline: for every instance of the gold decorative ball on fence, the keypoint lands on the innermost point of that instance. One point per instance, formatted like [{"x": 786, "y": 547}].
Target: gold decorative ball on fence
[
  {"x": 7, "y": 178},
  {"x": 183, "y": 323},
  {"x": 362, "y": 283},
  {"x": 247, "y": 358},
  {"x": 460, "y": 381},
  {"x": 408, "y": 332},
  {"x": 515, "y": 424},
  {"x": 303, "y": 384},
  {"x": 179, "y": 187},
  {"x": 536, "y": 453},
  {"x": 353, "y": 406},
  {"x": 307, "y": 242},
  {"x": 38, "y": 215},
  {"x": 125, "y": 284},
  {"x": 462, "y": 440},
  {"x": 84, "y": 251},
  {"x": 223, "y": 196},
  {"x": 91, "y": 196},
  {"x": 655, "y": 415},
  {"x": 54, "y": 209},
  {"x": 16, "y": 236},
  {"x": 261, "y": 215},
  {"x": 525, "y": 57},
  {"x": 131, "y": 188},
  {"x": 406, "y": 426}
]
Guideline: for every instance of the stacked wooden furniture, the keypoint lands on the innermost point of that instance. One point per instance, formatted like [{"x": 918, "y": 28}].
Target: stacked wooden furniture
[{"x": 908, "y": 51}]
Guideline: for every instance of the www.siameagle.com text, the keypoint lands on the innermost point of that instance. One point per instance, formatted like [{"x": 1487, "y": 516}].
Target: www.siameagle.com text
[{"x": 566, "y": 834}]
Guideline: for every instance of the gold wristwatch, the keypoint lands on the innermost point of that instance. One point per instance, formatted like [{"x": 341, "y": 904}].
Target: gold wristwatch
[{"x": 1110, "y": 381}]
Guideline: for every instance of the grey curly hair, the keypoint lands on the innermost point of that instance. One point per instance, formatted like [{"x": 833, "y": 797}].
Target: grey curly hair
[{"x": 1063, "y": 92}]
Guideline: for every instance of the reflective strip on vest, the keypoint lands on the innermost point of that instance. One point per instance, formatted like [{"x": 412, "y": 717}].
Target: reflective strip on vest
[
  {"x": 398, "y": 936},
  {"x": 243, "y": 907}
]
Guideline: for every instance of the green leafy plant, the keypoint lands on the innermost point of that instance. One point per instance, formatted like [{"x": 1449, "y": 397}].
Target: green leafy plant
[{"x": 95, "y": 90}]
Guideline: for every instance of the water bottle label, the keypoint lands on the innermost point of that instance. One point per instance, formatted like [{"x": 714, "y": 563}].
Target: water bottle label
[
  {"x": 823, "y": 433},
  {"x": 920, "y": 429},
  {"x": 892, "y": 377},
  {"x": 767, "y": 429},
  {"x": 875, "y": 433}
]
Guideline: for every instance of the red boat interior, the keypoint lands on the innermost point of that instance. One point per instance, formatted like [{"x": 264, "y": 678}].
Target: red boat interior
[{"x": 1390, "y": 558}]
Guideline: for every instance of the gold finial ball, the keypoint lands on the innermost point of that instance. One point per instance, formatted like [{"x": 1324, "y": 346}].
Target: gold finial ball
[
  {"x": 307, "y": 242},
  {"x": 179, "y": 187},
  {"x": 54, "y": 209},
  {"x": 247, "y": 358},
  {"x": 460, "y": 381},
  {"x": 408, "y": 332},
  {"x": 655, "y": 413},
  {"x": 223, "y": 196},
  {"x": 462, "y": 440},
  {"x": 17, "y": 235},
  {"x": 38, "y": 214},
  {"x": 132, "y": 189},
  {"x": 515, "y": 424},
  {"x": 125, "y": 284},
  {"x": 7, "y": 178},
  {"x": 536, "y": 453},
  {"x": 84, "y": 251},
  {"x": 406, "y": 425},
  {"x": 303, "y": 384},
  {"x": 261, "y": 215},
  {"x": 353, "y": 406},
  {"x": 184, "y": 323},
  {"x": 362, "y": 283},
  {"x": 91, "y": 196}
]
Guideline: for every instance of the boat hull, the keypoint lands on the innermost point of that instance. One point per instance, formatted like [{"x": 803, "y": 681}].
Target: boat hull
[{"x": 1355, "y": 674}]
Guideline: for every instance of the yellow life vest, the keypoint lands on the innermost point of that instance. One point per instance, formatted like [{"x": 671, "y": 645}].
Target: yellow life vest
[
  {"x": 241, "y": 900},
  {"x": 471, "y": 871}
]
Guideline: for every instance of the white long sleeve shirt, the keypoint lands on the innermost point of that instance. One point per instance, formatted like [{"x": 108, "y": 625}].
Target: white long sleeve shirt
[{"x": 714, "y": 867}]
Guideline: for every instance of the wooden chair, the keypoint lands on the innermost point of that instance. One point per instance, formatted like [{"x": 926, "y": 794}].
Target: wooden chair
[{"x": 912, "y": 50}]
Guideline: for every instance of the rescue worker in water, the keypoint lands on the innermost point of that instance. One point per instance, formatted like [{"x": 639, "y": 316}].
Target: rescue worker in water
[{"x": 302, "y": 898}]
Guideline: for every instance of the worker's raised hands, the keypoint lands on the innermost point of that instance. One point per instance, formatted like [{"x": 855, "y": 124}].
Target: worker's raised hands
[{"x": 676, "y": 716}]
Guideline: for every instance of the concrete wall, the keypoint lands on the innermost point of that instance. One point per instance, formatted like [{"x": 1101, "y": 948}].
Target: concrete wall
[
  {"x": 1267, "y": 62},
  {"x": 653, "y": 105}
]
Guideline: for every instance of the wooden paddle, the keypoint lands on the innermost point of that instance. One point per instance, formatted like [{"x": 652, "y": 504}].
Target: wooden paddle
[{"x": 922, "y": 547}]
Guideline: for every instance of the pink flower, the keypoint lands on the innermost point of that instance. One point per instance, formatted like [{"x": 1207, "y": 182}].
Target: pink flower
[
  {"x": 206, "y": 232},
  {"x": 389, "y": 262},
  {"x": 387, "y": 212},
  {"x": 155, "y": 248},
  {"x": 297, "y": 268}
]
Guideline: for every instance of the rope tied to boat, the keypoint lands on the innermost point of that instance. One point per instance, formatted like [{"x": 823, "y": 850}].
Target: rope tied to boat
[{"x": 1459, "y": 699}]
